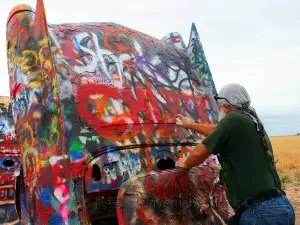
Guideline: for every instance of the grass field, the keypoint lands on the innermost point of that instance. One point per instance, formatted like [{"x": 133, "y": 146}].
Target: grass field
[{"x": 287, "y": 152}]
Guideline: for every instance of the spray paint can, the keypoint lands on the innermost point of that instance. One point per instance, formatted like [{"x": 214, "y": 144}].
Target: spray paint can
[{"x": 186, "y": 132}]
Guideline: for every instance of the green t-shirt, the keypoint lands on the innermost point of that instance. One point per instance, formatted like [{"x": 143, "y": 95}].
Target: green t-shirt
[{"x": 246, "y": 165}]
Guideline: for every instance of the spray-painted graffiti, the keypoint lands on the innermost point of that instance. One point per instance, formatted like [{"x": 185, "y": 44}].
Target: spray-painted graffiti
[
  {"x": 173, "y": 197},
  {"x": 175, "y": 39},
  {"x": 119, "y": 89},
  {"x": 38, "y": 120},
  {"x": 94, "y": 105},
  {"x": 9, "y": 164},
  {"x": 199, "y": 62}
]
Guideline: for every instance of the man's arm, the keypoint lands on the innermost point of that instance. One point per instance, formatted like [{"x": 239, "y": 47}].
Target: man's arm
[
  {"x": 215, "y": 143},
  {"x": 203, "y": 129},
  {"x": 197, "y": 156}
]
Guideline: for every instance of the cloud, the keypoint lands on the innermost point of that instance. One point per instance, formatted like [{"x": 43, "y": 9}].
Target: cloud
[{"x": 255, "y": 43}]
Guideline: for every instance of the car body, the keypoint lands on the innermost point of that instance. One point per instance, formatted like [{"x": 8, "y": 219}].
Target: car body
[
  {"x": 9, "y": 164},
  {"x": 95, "y": 105}
]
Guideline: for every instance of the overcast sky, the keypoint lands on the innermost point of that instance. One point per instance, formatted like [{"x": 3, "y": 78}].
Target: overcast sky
[{"x": 255, "y": 43}]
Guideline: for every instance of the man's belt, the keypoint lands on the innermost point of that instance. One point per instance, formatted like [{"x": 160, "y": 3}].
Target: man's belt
[{"x": 250, "y": 202}]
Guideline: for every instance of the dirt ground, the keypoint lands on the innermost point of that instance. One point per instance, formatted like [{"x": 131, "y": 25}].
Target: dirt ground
[
  {"x": 293, "y": 193},
  {"x": 287, "y": 152}
]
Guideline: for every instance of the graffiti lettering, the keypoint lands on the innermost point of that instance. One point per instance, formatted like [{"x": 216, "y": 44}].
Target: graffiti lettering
[{"x": 126, "y": 125}]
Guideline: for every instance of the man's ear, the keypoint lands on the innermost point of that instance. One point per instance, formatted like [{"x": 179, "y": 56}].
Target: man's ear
[{"x": 227, "y": 108}]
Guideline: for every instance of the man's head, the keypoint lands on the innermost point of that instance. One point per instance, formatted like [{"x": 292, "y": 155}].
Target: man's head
[{"x": 232, "y": 97}]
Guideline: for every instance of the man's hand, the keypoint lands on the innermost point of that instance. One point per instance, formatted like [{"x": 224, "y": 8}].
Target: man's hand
[
  {"x": 203, "y": 129},
  {"x": 180, "y": 163},
  {"x": 195, "y": 158},
  {"x": 184, "y": 121}
]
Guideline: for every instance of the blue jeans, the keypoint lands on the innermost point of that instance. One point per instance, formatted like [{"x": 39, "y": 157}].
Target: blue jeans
[{"x": 276, "y": 211}]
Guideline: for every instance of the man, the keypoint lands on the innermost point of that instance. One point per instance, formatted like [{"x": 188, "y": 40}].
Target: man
[{"x": 252, "y": 185}]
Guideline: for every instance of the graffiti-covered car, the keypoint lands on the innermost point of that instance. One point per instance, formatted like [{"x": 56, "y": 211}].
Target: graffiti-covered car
[
  {"x": 94, "y": 105},
  {"x": 9, "y": 164}
]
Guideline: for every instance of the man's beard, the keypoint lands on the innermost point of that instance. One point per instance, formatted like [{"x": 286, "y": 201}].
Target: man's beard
[{"x": 221, "y": 113}]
